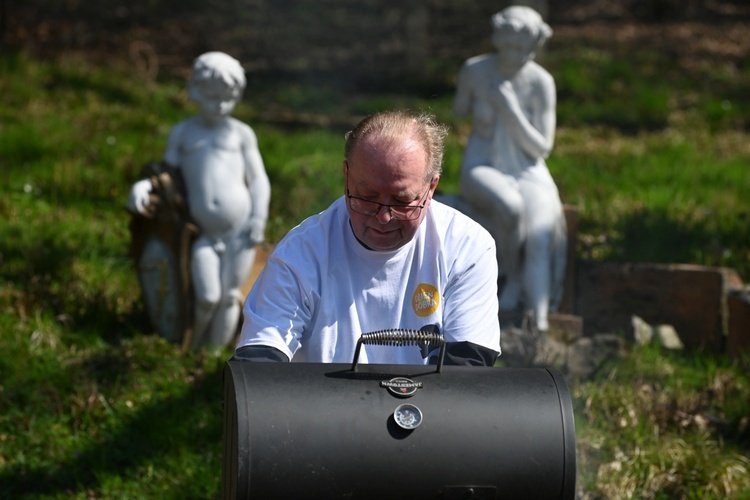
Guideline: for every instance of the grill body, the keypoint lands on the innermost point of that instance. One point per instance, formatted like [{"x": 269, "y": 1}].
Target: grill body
[{"x": 310, "y": 430}]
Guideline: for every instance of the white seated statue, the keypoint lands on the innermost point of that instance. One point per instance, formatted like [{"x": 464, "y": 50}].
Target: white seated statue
[
  {"x": 227, "y": 194},
  {"x": 504, "y": 178}
]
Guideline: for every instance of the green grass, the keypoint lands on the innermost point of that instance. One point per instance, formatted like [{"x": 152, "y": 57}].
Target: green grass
[
  {"x": 119, "y": 417},
  {"x": 92, "y": 405},
  {"x": 667, "y": 196},
  {"x": 664, "y": 426}
]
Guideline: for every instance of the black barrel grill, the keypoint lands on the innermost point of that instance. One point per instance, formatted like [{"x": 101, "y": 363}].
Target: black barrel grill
[{"x": 313, "y": 430}]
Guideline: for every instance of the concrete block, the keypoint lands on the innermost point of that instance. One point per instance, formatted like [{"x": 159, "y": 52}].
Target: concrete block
[
  {"x": 567, "y": 305},
  {"x": 738, "y": 306},
  {"x": 688, "y": 297}
]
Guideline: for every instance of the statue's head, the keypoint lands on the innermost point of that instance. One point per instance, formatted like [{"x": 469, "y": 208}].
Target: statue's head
[
  {"x": 518, "y": 32},
  {"x": 519, "y": 18},
  {"x": 218, "y": 72}
]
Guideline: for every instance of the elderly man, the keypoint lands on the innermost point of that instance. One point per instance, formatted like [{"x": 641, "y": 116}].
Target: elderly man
[{"x": 384, "y": 256}]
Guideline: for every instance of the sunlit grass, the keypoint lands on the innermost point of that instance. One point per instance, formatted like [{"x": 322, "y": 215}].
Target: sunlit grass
[
  {"x": 671, "y": 196},
  {"x": 662, "y": 425}
]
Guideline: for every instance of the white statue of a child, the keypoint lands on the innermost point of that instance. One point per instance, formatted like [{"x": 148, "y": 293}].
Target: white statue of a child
[
  {"x": 504, "y": 176},
  {"x": 228, "y": 194}
]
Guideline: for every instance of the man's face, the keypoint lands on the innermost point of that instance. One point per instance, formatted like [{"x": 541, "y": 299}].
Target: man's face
[{"x": 392, "y": 175}]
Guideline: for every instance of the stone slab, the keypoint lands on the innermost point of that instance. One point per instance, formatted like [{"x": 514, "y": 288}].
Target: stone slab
[
  {"x": 738, "y": 341},
  {"x": 688, "y": 297},
  {"x": 567, "y": 305}
]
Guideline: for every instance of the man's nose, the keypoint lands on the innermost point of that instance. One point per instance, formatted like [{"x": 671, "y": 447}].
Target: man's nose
[{"x": 384, "y": 214}]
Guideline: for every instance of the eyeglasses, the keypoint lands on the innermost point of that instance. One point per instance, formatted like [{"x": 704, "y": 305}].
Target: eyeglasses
[{"x": 398, "y": 212}]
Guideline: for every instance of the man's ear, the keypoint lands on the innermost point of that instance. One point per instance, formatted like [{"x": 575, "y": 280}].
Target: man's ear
[
  {"x": 434, "y": 182},
  {"x": 345, "y": 171},
  {"x": 433, "y": 187}
]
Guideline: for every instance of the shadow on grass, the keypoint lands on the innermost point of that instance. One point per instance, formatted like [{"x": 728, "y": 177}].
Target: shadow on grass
[
  {"x": 174, "y": 426},
  {"x": 653, "y": 236},
  {"x": 82, "y": 277},
  {"x": 58, "y": 269}
]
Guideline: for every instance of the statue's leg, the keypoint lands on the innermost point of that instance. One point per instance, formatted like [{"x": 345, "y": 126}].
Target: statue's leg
[
  {"x": 537, "y": 276},
  {"x": 236, "y": 263},
  {"x": 543, "y": 211},
  {"x": 559, "y": 261},
  {"x": 496, "y": 196},
  {"x": 206, "y": 268},
  {"x": 509, "y": 247}
]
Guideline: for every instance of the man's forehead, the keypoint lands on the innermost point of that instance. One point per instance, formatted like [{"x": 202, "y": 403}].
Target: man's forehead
[
  {"x": 403, "y": 162},
  {"x": 390, "y": 149}
]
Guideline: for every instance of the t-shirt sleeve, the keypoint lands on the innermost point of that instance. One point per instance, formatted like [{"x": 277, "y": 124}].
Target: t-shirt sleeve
[
  {"x": 276, "y": 310},
  {"x": 471, "y": 307}
]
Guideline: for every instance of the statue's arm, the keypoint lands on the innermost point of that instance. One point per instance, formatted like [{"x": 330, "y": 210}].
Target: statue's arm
[
  {"x": 172, "y": 150},
  {"x": 138, "y": 198},
  {"x": 535, "y": 134},
  {"x": 462, "y": 99},
  {"x": 258, "y": 185}
]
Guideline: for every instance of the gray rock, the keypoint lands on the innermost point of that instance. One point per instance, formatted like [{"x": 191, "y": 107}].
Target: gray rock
[
  {"x": 642, "y": 333},
  {"x": 668, "y": 338}
]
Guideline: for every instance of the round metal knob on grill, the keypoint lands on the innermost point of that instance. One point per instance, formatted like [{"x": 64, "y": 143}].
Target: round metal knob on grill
[{"x": 408, "y": 416}]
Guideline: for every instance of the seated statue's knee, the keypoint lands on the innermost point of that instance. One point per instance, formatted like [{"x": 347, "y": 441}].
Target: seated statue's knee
[
  {"x": 207, "y": 301},
  {"x": 512, "y": 223},
  {"x": 511, "y": 209},
  {"x": 232, "y": 297}
]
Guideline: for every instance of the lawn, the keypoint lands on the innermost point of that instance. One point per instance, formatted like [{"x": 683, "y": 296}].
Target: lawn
[{"x": 93, "y": 405}]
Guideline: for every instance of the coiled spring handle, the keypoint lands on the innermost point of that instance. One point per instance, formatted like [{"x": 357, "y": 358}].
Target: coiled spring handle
[{"x": 401, "y": 337}]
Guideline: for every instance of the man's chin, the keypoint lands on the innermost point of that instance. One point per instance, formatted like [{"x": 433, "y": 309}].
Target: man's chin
[{"x": 382, "y": 242}]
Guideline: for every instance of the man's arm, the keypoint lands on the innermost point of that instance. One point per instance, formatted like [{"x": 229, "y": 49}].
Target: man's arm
[
  {"x": 260, "y": 353},
  {"x": 463, "y": 353},
  {"x": 469, "y": 354},
  {"x": 276, "y": 313},
  {"x": 470, "y": 317}
]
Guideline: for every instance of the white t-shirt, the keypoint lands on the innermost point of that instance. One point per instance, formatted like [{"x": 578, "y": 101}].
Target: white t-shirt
[{"x": 321, "y": 289}]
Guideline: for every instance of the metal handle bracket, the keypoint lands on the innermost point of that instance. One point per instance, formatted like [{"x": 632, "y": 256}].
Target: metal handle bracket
[{"x": 401, "y": 337}]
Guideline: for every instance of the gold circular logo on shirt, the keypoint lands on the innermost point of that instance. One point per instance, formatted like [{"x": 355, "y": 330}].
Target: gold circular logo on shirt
[{"x": 425, "y": 300}]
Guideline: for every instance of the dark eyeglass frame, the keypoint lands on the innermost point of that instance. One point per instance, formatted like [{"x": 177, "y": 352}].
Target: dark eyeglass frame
[{"x": 354, "y": 203}]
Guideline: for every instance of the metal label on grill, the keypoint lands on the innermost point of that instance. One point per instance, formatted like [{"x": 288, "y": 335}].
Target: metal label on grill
[{"x": 401, "y": 386}]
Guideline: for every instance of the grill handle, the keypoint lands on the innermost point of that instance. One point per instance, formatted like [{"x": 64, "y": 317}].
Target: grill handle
[{"x": 401, "y": 337}]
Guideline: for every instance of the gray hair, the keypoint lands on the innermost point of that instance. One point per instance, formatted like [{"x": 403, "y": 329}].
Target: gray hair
[{"x": 393, "y": 126}]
